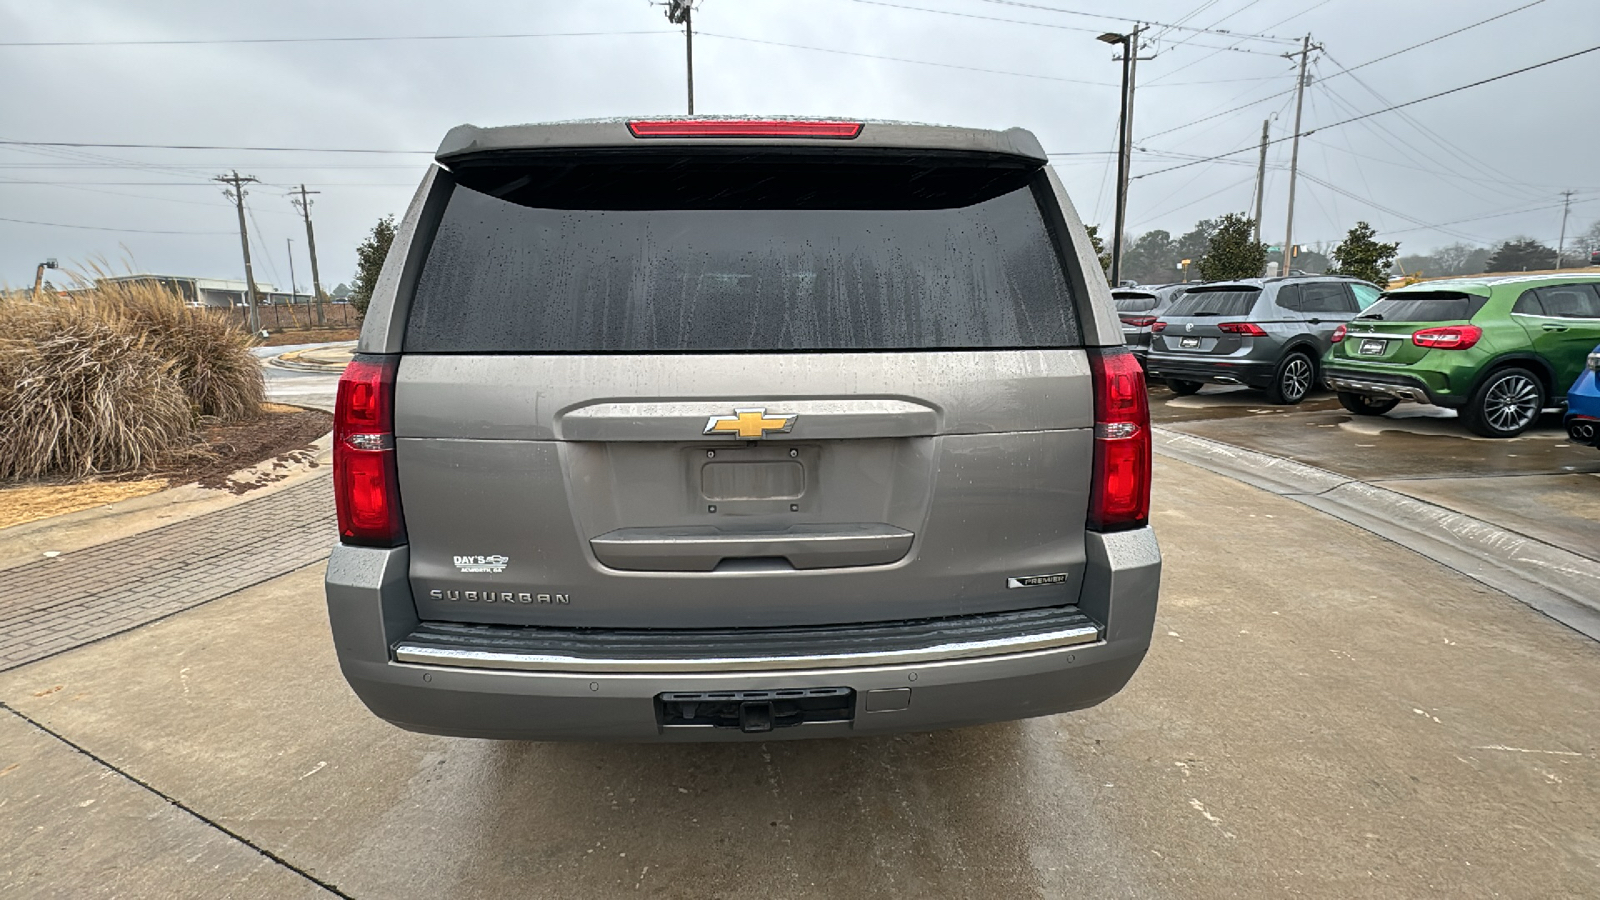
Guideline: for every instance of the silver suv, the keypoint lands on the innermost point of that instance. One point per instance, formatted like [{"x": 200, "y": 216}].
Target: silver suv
[
  {"x": 708, "y": 429},
  {"x": 1268, "y": 333}
]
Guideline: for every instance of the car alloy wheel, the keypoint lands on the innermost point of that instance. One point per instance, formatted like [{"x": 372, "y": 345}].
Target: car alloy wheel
[
  {"x": 1292, "y": 380},
  {"x": 1297, "y": 378},
  {"x": 1512, "y": 403}
]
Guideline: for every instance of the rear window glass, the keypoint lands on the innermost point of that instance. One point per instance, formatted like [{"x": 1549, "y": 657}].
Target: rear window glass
[
  {"x": 1433, "y": 306},
  {"x": 741, "y": 255},
  {"x": 1225, "y": 302},
  {"x": 1129, "y": 302}
]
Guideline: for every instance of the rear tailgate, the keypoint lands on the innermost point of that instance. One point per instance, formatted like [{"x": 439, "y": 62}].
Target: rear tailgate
[
  {"x": 1382, "y": 334},
  {"x": 1193, "y": 323},
  {"x": 754, "y": 391}
]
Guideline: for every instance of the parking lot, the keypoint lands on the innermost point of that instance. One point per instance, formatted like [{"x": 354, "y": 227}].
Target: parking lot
[{"x": 1323, "y": 713}]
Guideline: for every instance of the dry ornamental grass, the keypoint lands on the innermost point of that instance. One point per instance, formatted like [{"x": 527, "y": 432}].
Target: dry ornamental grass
[{"x": 113, "y": 379}]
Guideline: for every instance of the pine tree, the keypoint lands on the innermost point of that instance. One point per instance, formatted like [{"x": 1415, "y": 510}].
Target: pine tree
[
  {"x": 1359, "y": 256},
  {"x": 1521, "y": 255},
  {"x": 369, "y": 262},
  {"x": 1231, "y": 253}
]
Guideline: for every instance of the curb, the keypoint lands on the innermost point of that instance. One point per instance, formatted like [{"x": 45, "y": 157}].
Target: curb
[
  {"x": 1559, "y": 583},
  {"x": 306, "y": 360}
]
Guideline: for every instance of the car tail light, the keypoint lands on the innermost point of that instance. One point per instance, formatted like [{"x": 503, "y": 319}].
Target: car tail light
[
  {"x": 1119, "y": 496},
  {"x": 1158, "y": 326},
  {"x": 1339, "y": 333},
  {"x": 1249, "y": 328},
  {"x": 746, "y": 128},
  {"x": 365, "y": 489},
  {"x": 1139, "y": 321},
  {"x": 1448, "y": 337}
]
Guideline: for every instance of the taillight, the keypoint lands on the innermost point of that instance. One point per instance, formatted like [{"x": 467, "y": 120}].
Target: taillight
[
  {"x": 1119, "y": 497},
  {"x": 1158, "y": 326},
  {"x": 744, "y": 128},
  {"x": 1249, "y": 328},
  {"x": 1139, "y": 321},
  {"x": 365, "y": 488},
  {"x": 1339, "y": 333},
  {"x": 1448, "y": 337}
]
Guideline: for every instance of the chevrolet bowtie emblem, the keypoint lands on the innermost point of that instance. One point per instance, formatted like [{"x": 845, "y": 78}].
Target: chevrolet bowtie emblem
[{"x": 751, "y": 423}]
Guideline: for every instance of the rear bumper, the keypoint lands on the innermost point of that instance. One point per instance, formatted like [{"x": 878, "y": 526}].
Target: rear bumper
[
  {"x": 1384, "y": 384},
  {"x": 1254, "y": 373},
  {"x": 371, "y": 612}
]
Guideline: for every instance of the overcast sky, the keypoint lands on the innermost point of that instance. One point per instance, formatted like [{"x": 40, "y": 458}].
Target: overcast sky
[{"x": 1460, "y": 162}]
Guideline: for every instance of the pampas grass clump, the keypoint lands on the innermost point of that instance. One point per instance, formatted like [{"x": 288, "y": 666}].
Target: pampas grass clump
[{"x": 114, "y": 378}]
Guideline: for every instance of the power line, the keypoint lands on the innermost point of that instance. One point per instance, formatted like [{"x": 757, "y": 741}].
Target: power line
[
  {"x": 1454, "y": 90},
  {"x": 1126, "y": 16},
  {"x": 1344, "y": 72},
  {"x": 1442, "y": 36},
  {"x": 919, "y": 62},
  {"x": 103, "y": 228},
  {"x": 209, "y": 147},
  {"x": 323, "y": 40}
]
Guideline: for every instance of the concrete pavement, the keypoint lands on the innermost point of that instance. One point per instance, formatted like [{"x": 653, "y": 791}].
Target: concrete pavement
[{"x": 1323, "y": 714}]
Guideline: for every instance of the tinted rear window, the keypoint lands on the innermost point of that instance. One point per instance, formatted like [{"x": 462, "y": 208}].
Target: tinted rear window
[
  {"x": 1128, "y": 302},
  {"x": 742, "y": 255},
  {"x": 1226, "y": 302},
  {"x": 1433, "y": 306}
]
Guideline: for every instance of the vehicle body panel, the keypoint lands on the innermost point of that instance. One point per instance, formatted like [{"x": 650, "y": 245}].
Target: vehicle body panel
[
  {"x": 558, "y": 488},
  {"x": 1196, "y": 348},
  {"x": 1553, "y": 348}
]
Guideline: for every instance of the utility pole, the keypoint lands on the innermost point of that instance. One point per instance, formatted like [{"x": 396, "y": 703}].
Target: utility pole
[
  {"x": 1130, "y": 59},
  {"x": 236, "y": 193},
  {"x": 1566, "y": 207},
  {"x": 293, "y": 291},
  {"x": 679, "y": 12},
  {"x": 1294, "y": 154},
  {"x": 1261, "y": 178},
  {"x": 303, "y": 203}
]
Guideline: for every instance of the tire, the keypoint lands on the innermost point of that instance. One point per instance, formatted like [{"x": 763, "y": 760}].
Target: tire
[
  {"x": 1184, "y": 388},
  {"x": 1294, "y": 378},
  {"x": 1506, "y": 404},
  {"x": 1366, "y": 405}
]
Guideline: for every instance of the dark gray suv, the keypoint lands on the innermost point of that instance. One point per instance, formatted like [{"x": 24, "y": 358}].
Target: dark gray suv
[
  {"x": 1139, "y": 307},
  {"x": 1266, "y": 333},
  {"x": 710, "y": 429}
]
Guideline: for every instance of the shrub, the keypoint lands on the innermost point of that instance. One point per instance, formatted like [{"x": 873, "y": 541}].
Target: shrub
[
  {"x": 112, "y": 378},
  {"x": 211, "y": 358},
  {"x": 80, "y": 395}
]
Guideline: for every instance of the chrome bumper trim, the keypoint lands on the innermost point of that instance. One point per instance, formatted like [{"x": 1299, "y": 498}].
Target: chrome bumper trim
[
  {"x": 527, "y": 662},
  {"x": 1362, "y": 386}
]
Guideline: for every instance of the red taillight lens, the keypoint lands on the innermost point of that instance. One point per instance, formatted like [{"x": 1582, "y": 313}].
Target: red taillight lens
[
  {"x": 1119, "y": 498},
  {"x": 748, "y": 128},
  {"x": 1158, "y": 326},
  {"x": 365, "y": 489},
  {"x": 1249, "y": 328},
  {"x": 1139, "y": 321},
  {"x": 1448, "y": 337},
  {"x": 1339, "y": 333}
]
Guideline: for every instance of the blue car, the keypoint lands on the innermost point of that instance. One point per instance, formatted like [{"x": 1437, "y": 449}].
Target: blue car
[{"x": 1583, "y": 405}]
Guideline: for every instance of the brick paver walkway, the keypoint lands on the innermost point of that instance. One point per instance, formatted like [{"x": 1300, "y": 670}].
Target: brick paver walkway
[{"x": 57, "y": 604}]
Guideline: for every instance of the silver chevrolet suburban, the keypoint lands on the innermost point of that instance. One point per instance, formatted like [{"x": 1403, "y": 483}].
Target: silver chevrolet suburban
[{"x": 722, "y": 429}]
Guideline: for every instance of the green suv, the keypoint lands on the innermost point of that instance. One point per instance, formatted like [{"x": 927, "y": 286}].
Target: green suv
[{"x": 1497, "y": 349}]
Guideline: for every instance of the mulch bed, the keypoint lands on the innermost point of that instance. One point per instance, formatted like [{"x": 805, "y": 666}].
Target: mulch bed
[{"x": 279, "y": 435}]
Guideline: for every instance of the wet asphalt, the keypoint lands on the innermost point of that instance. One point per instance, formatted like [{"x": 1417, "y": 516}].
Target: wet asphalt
[
  {"x": 1538, "y": 483},
  {"x": 1322, "y": 714}
]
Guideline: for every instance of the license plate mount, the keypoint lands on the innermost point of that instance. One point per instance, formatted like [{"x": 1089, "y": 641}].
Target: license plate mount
[
  {"x": 1189, "y": 343},
  {"x": 1373, "y": 348}
]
